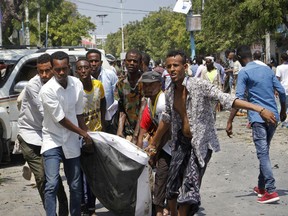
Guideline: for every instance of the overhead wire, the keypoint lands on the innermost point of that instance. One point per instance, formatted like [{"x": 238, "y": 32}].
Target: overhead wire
[
  {"x": 111, "y": 7},
  {"x": 115, "y": 12}
]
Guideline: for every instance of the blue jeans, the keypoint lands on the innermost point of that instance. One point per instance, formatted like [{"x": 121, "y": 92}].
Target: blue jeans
[
  {"x": 286, "y": 103},
  {"x": 262, "y": 135},
  {"x": 72, "y": 169}
]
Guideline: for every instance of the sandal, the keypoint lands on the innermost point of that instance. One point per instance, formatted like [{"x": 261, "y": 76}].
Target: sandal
[{"x": 166, "y": 212}]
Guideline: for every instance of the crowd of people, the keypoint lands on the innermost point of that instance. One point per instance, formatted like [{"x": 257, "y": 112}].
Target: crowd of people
[{"x": 169, "y": 111}]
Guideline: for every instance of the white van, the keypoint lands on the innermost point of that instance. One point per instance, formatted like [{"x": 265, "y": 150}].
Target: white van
[{"x": 13, "y": 82}]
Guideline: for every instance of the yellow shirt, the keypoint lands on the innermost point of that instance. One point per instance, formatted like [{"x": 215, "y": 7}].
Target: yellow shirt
[
  {"x": 212, "y": 75},
  {"x": 92, "y": 113}
]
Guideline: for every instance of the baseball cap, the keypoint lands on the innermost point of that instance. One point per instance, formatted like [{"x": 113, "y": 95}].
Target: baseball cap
[
  {"x": 110, "y": 58},
  {"x": 151, "y": 76}
]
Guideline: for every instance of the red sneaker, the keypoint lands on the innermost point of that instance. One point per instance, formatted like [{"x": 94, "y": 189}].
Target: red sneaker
[
  {"x": 259, "y": 192},
  {"x": 269, "y": 198}
]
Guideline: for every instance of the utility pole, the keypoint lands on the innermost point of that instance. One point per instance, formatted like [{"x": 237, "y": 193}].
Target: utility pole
[
  {"x": 202, "y": 5},
  {"x": 0, "y": 26},
  {"x": 102, "y": 16},
  {"x": 27, "y": 33},
  {"x": 122, "y": 30},
  {"x": 46, "y": 35},
  {"x": 39, "y": 24},
  {"x": 193, "y": 23},
  {"x": 267, "y": 47}
]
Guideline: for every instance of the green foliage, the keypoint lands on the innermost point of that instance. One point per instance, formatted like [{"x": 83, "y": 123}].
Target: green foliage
[
  {"x": 66, "y": 24},
  {"x": 196, "y": 6},
  {"x": 225, "y": 24},
  {"x": 231, "y": 23},
  {"x": 157, "y": 33}
]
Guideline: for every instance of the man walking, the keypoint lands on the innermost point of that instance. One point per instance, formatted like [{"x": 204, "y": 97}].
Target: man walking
[
  {"x": 259, "y": 82},
  {"x": 30, "y": 130},
  {"x": 190, "y": 113},
  {"x": 282, "y": 75},
  {"x": 229, "y": 67},
  {"x": 62, "y": 99}
]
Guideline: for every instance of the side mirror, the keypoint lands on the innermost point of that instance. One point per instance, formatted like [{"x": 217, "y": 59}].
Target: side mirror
[{"x": 20, "y": 86}]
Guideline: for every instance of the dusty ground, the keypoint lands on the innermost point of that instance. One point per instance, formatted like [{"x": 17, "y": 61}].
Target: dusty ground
[
  {"x": 226, "y": 189},
  {"x": 233, "y": 172}
]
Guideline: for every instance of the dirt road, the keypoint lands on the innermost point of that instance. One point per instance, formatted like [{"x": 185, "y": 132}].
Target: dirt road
[
  {"x": 233, "y": 172},
  {"x": 226, "y": 189}
]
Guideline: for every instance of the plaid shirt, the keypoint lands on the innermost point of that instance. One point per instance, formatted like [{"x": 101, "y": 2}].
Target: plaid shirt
[{"x": 200, "y": 114}]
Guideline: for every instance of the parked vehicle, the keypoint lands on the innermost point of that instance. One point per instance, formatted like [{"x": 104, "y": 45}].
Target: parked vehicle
[{"x": 13, "y": 80}]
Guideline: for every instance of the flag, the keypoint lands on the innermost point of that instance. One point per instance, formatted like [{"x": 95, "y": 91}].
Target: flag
[{"x": 182, "y": 6}]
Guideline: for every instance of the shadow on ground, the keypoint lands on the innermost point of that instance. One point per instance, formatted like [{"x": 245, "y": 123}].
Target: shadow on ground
[
  {"x": 281, "y": 192},
  {"x": 16, "y": 160},
  {"x": 200, "y": 212}
]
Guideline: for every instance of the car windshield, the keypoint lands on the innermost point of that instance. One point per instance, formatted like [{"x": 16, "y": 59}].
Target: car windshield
[{"x": 8, "y": 59}]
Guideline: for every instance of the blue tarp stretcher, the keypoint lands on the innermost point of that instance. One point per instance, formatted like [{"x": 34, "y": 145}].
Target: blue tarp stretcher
[{"x": 117, "y": 173}]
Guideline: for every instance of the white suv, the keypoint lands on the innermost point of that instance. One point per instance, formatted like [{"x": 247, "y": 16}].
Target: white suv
[{"x": 13, "y": 82}]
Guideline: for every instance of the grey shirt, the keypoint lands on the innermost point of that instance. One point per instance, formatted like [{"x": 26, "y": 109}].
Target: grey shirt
[{"x": 31, "y": 113}]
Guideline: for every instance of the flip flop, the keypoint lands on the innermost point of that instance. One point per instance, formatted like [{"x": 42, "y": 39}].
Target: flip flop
[{"x": 166, "y": 212}]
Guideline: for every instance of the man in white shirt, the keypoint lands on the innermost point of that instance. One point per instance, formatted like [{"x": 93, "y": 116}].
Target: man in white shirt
[
  {"x": 62, "y": 99},
  {"x": 30, "y": 129},
  {"x": 282, "y": 75},
  {"x": 199, "y": 70},
  {"x": 257, "y": 55}
]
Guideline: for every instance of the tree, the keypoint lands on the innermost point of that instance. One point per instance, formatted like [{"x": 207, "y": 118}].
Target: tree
[
  {"x": 66, "y": 24},
  {"x": 10, "y": 11},
  {"x": 157, "y": 33},
  {"x": 113, "y": 44},
  {"x": 231, "y": 23}
]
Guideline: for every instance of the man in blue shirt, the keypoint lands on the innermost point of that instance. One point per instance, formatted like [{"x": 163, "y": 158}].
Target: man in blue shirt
[{"x": 257, "y": 83}]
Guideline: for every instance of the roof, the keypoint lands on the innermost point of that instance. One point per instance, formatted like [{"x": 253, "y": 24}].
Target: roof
[{"x": 14, "y": 54}]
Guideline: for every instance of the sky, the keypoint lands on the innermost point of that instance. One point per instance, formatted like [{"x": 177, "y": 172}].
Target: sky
[{"x": 132, "y": 10}]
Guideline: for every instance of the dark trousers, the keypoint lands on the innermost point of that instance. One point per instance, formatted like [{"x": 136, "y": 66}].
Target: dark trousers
[
  {"x": 31, "y": 154},
  {"x": 161, "y": 177},
  {"x": 88, "y": 198},
  {"x": 185, "y": 173}
]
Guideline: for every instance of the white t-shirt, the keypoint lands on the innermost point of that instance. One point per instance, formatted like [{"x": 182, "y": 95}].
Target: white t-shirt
[
  {"x": 199, "y": 70},
  {"x": 260, "y": 63},
  {"x": 59, "y": 103},
  {"x": 237, "y": 67},
  {"x": 282, "y": 73}
]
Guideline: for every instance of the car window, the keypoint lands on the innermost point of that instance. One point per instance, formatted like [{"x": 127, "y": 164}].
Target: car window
[
  {"x": 5, "y": 70},
  {"x": 72, "y": 61},
  {"x": 25, "y": 73}
]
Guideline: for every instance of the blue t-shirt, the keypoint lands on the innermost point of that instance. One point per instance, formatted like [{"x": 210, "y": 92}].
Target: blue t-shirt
[
  {"x": 259, "y": 82},
  {"x": 194, "y": 68}
]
